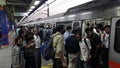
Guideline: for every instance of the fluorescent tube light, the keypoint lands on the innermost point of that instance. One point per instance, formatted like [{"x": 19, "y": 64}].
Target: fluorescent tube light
[
  {"x": 36, "y": 2},
  {"x": 32, "y": 7}
]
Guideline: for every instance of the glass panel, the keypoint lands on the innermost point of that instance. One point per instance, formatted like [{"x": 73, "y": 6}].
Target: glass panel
[{"x": 76, "y": 25}]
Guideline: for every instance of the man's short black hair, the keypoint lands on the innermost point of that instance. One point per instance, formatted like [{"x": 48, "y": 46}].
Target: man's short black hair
[
  {"x": 69, "y": 28},
  {"x": 17, "y": 38},
  {"x": 77, "y": 31},
  {"x": 107, "y": 26},
  {"x": 29, "y": 36},
  {"x": 88, "y": 29}
]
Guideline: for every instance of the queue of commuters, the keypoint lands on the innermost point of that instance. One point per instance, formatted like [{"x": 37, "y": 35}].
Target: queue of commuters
[{"x": 89, "y": 50}]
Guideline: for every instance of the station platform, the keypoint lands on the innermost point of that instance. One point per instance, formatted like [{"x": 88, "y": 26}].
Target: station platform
[{"x": 5, "y": 59}]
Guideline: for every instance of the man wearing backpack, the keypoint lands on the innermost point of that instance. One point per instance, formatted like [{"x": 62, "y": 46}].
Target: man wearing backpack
[
  {"x": 96, "y": 45},
  {"x": 58, "y": 44},
  {"x": 68, "y": 32},
  {"x": 66, "y": 35},
  {"x": 37, "y": 41},
  {"x": 85, "y": 55},
  {"x": 73, "y": 49}
]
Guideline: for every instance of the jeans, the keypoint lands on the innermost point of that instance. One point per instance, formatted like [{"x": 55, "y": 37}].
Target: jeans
[
  {"x": 57, "y": 63},
  {"x": 67, "y": 59},
  {"x": 85, "y": 64},
  {"x": 73, "y": 61},
  {"x": 104, "y": 57},
  {"x": 38, "y": 58},
  {"x": 95, "y": 62},
  {"x": 30, "y": 62}
]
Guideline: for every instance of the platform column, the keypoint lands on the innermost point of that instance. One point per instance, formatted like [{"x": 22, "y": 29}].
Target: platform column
[{"x": 4, "y": 26}]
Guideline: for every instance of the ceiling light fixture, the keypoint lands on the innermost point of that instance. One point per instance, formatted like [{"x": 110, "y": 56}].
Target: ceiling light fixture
[
  {"x": 32, "y": 7},
  {"x": 36, "y": 2}
]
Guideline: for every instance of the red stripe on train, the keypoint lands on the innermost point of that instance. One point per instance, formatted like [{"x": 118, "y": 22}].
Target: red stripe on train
[{"x": 113, "y": 64}]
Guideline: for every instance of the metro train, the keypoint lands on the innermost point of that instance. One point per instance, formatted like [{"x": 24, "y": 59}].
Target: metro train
[{"x": 100, "y": 11}]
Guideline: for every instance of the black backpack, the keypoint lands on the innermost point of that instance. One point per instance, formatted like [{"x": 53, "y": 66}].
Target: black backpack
[{"x": 72, "y": 45}]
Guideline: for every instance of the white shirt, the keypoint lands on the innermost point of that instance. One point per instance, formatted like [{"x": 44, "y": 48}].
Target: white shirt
[
  {"x": 37, "y": 41},
  {"x": 105, "y": 40},
  {"x": 84, "y": 49}
]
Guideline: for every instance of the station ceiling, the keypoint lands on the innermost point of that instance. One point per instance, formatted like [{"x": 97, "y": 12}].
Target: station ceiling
[
  {"x": 18, "y": 6},
  {"x": 15, "y": 7}
]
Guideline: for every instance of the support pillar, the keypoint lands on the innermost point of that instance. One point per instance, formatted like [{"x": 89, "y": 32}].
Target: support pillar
[{"x": 4, "y": 26}]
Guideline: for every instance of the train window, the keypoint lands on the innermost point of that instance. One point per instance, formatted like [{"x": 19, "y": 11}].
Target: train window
[
  {"x": 53, "y": 25},
  {"x": 117, "y": 37},
  {"x": 76, "y": 25}
]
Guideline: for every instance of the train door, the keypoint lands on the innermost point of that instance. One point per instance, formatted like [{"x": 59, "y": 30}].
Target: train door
[
  {"x": 114, "y": 51},
  {"x": 76, "y": 24}
]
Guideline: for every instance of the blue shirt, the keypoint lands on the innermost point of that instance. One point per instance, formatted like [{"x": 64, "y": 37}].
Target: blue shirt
[{"x": 67, "y": 34}]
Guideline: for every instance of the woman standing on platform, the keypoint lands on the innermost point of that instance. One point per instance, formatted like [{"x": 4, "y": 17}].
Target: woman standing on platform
[
  {"x": 37, "y": 42},
  {"x": 17, "y": 54},
  {"x": 30, "y": 51}
]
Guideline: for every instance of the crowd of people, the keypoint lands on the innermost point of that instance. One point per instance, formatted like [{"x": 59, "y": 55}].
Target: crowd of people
[{"x": 82, "y": 50}]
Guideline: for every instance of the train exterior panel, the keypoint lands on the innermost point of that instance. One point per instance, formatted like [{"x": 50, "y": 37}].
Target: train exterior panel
[{"x": 114, "y": 51}]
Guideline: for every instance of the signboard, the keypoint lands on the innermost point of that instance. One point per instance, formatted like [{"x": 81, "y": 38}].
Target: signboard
[{"x": 2, "y": 2}]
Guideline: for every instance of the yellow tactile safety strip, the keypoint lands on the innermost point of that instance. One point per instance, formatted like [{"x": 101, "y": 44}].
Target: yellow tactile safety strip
[{"x": 48, "y": 66}]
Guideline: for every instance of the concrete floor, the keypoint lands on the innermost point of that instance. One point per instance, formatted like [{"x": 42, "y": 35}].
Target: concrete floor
[{"x": 5, "y": 59}]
